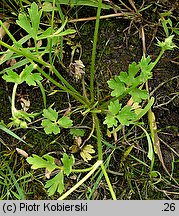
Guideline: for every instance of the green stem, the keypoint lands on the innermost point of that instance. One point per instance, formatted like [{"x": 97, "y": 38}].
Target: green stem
[
  {"x": 92, "y": 71},
  {"x": 158, "y": 58},
  {"x": 76, "y": 96},
  {"x": 43, "y": 93},
  {"x": 63, "y": 21},
  {"x": 98, "y": 135},
  {"x": 95, "y": 166},
  {"x": 82, "y": 170},
  {"x": 78, "y": 170},
  {"x": 52, "y": 25},
  {"x": 8, "y": 32},
  {"x": 108, "y": 182},
  {"x": 13, "y": 108},
  {"x": 21, "y": 6},
  {"x": 70, "y": 89},
  {"x": 68, "y": 85},
  {"x": 99, "y": 141}
]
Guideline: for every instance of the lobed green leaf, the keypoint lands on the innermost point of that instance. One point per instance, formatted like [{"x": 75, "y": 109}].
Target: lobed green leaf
[
  {"x": 77, "y": 132},
  {"x": 55, "y": 184},
  {"x": 65, "y": 122},
  {"x": 126, "y": 116},
  {"x": 24, "y": 23},
  {"x": 129, "y": 78},
  {"x": 114, "y": 107},
  {"x": 32, "y": 79},
  {"x": 110, "y": 121},
  {"x": 68, "y": 162},
  {"x": 117, "y": 86},
  {"x": 38, "y": 162},
  {"x": 12, "y": 76},
  {"x": 50, "y": 114},
  {"x": 50, "y": 127},
  {"x": 139, "y": 94},
  {"x": 146, "y": 67},
  {"x": 35, "y": 16}
]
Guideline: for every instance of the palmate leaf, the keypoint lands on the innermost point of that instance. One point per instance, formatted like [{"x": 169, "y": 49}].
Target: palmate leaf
[
  {"x": 114, "y": 107},
  {"x": 50, "y": 123},
  {"x": 129, "y": 78},
  {"x": 50, "y": 114},
  {"x": 127, "y": 83},
  {"x": 110, "y": 121},
  {"x": 25, "y": 76},
  {"x": 38, "y": 162},
  {"x": 21, "y": 114},
  {"x": 15, "y": 122},
  {"x": 68, "y": 162},
  {"x": 126, "y": 116},
  {"x": 117, "y": 86},
  {"x": 139, "y": 94},
  {"x": 32, "y": 79},
  {"x": 50, "y": 127},
  {"x": 167, "y": 44},
  {"x": 55, "y": 184},
  {"x": 146, "y": 67},
  {"x": 65, "y": 122},
  {"x": 86, "y": 152},
  {"x": 12, "y": 76},
  {"x": 77, "y": 132},
  {"x": 35, "y": 15}
]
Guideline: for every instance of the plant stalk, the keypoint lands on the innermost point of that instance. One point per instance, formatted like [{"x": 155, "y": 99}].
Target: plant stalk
[
  {"x": 62, "y": 17},
  {"x": 13, "y": 108},
  {"x": 158, "y": 58},
  {"x": 95, "y": 166},
  {"x": 72, "y": 93},
  {"x": 52, "y": 26},
  {"x": 98, "y": 135},
  {"x": 70, "y": 89},
  {"x": 8, "y": 32},
  {"x": 92, "y": 69},
  {"x": 108, "y": 182},
  {"x": 100, "y": 155}
]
